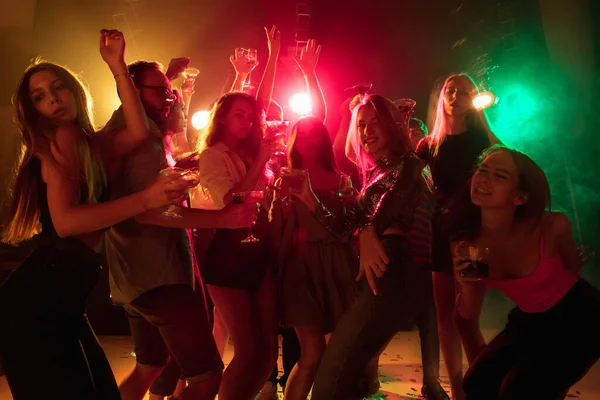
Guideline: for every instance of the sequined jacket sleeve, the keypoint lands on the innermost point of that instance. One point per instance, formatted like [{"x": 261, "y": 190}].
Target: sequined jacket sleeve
[
  {"x": 389, "y": 200},
  {"x": 342, "y": 224},
  {"x": 399, "y": 196}
]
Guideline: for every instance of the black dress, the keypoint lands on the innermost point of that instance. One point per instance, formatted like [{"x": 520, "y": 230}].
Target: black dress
[{"x": 47, "y": 346}]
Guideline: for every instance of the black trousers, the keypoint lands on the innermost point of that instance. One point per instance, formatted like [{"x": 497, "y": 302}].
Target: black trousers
[
  {"x": 372, "y": 321},
  {"x": 47, "y": 346},
  {"x": 540, "y": 355}
]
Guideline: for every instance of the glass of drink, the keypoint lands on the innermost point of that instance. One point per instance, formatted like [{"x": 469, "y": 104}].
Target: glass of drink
[
  {"x": 276, "y": 129},
  {"x": 191, "y": 73},
  {"x": 346, "y": 191},
  {"x": 477, "y": 256},
  {"x": 293, "y": 177},
  {"x": 250, "y": 196},
  {"x": 252, "y": 55},
  {"x": 362, "y": 89},
  {"x": 405, "y": 105},
  {"x": 189, "y": 175}
]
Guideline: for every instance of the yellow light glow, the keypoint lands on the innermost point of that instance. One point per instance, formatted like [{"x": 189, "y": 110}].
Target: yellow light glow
[
  {"x": 200, "y": 119},
  {"x": 484, "y": 100}
]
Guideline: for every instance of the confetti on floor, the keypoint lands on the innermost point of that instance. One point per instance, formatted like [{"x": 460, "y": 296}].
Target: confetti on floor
[{"x": 400, "y": 369}]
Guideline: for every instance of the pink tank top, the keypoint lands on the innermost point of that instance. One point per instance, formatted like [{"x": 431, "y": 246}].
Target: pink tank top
[{"x": 540, "y": 290}]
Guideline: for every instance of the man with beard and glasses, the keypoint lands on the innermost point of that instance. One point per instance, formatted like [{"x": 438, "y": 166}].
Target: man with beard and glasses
[{"x": 153, "y": 273}]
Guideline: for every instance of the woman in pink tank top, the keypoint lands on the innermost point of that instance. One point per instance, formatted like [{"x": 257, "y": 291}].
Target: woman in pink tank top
[{"x": 551, "y": 339}]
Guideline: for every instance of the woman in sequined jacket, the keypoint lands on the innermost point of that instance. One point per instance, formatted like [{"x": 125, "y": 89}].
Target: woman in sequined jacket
[{"x": 393, "y": 216}]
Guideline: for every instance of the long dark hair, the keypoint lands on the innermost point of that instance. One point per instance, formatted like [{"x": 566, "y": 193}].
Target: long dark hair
[
  {"x": 215, "y": 130},
  {"x": 461, "y": 219},
  {"x": 313, "y": 127},
  {"x": 38, "y": 137}
]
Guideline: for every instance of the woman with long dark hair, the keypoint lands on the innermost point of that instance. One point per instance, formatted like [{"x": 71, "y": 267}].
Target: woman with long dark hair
[
  {"x": 47, "y": 346},
  {"x": 459, "y": 135},
  {"x": 551, "y": 339},
  {"x": 316, "y": 268},
  {"x": 392, "y": 214},
  {"x": 233, "y": 158}
]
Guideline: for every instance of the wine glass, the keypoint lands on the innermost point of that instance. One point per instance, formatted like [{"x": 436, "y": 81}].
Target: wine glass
[
  {"x": 251, "y": 56},
  {"x": 189, "y": 175},
  {"x": 405, "y": 104},
  {"x": 362, "y": 89},
  {"x": 191, "y": 73},
  {"x": 477, "y": 256},
  {"x": 250, "y": 196},
  {"x": 291, "y": 178},
  {"x": 273, "y": 129}
]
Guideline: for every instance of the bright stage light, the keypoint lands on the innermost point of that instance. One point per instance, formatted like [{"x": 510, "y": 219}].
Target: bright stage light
[
  {"x": 300, "y": 104},
  {"x": 484, "y": 100},
  {"x": 200, "y": 119}
]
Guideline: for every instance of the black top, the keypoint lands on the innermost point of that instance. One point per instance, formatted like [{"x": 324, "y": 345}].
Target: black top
[
  {"x": 45, "y": 217},
  {"x": 455, "y": 161}
]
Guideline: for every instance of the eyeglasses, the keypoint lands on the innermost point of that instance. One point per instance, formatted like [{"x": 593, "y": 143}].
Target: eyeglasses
[{"x": 161, "y": 91}]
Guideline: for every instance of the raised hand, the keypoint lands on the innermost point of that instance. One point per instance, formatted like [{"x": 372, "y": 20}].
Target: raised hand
[
  {"x": 112, "y": 47},
  {"x": 242, "y": 64},
  {"x": 176, "y": 67},
  {"x": 270, "y": 146},
  {"x": 309, "y": 56},
  {"x": 273, "y": 40}
]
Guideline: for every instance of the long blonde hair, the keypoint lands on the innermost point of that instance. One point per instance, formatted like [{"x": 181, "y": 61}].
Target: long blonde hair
[
  {"x": 38, "y": 138},
  {"x": 397, "y": 133},
  {"x": 475, "y": 118}
]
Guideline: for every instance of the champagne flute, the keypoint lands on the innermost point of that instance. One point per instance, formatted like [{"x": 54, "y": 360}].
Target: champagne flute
[
  {"x": 250, "y": 196},
  {"x": 189, "y": 175}
]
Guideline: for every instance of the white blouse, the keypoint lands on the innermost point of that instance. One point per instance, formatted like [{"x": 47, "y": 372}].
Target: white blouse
[{"x": 220, "y": 170}]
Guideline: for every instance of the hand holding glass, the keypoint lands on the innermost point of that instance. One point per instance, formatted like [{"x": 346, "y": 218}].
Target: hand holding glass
[
  {"x": 189, "y": 175},
  {"x": 477, "y": 256},
  {"x": 252, "y": 196},
  {"x": 346, "y": 192}
]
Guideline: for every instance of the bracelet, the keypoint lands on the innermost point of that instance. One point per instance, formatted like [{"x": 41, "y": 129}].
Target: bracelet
[
  {"x": 368, "y": 224},
  {"x": 127, "y": 74}
]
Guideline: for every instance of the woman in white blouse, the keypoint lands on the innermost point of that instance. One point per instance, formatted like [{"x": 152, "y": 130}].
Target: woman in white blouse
[{"x": 233, "y": 158}]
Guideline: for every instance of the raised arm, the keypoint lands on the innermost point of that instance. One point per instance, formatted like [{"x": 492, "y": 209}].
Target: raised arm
[
  {"x": 179, "y": 115},
  {"x": 63, "y": 191},
  {"x": 307, "y": 62},
  {"x": 177, "y": 125},
  {"x": 265, "y": 89},
  {"x": 344, "y": 162},
  {"x": 243, "y": 67},
  {"x": 112, "y": 49}
]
